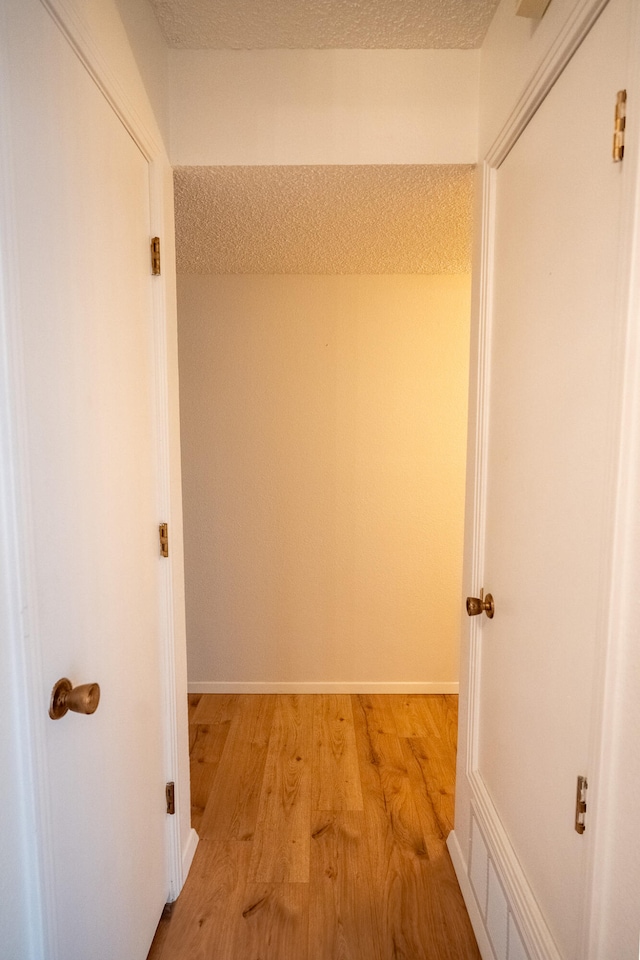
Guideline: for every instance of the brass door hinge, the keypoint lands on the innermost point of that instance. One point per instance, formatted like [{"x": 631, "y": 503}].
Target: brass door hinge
[
  {"x": 155, "y": 256},
  {"x": 164, "y": 539},
  {"x": 620, "y": 122},
  {"x": 170, "y": 793},
  {"x": 581, "y": 804}
]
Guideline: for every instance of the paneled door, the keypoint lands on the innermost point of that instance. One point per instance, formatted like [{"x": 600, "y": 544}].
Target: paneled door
[
  {"x": 82, "y": 214},
  {"x": 555, "y": 365}
]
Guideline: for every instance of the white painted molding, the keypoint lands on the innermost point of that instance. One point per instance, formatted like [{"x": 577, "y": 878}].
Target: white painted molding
[
  {"x": 460, "y": 867},
  {"x": 275, "y": 686},
  {"x": 483, "y": 383},
  {"x": 67, "y": 18},
  {"x": 19, "y": 630},
  {"x": 577, "y": 25},
  {"x": 175, "y": 872},
  {"x": 522, "y": 903},
  {"x": 187, "y": 856}
]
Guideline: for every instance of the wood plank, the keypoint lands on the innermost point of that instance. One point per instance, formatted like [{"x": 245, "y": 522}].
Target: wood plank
[
  {"x": 193, "y": 699},
  {"x": 389, "y": 801},
  {"x": 160, "y": 938},
  {"x": 209, "y": 741},
  {"x": 445, "y": 712},
  {"x": 202, "y": 923},
  {"x": 409, "y": 917},
  {"x": 273, "y": 922},
  {"x": 219, "y": 916},
  {"x": 457, "y": 936},
  {"x": 232, "y": 810},
  {"x": 433, "y": 783},
  {"x": 336, "y": 772},
  {"x": 216, "y": 708},
  {"x": 206, "y": 750},
  {"x": 206, "y": 745},
  {"x": 280, "y": 851},
  {"x": 413, "y": 715},
  {"x": 202, "y": 779},
  {"x": 442, "y": 734},
  {"x": 343, "y": 916},
  {"x": 379, "y": 709}
]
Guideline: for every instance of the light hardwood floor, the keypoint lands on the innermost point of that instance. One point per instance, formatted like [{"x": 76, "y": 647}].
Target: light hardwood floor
[{"x": 322, "y": 822}]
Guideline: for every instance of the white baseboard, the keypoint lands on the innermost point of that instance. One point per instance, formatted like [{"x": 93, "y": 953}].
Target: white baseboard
[
  {"x": 522, "y": 905},
  {"x": 503, "y": 910},
  {"x": 322, "y": 687},
  {"x": 189, "y": 853},
  {"x": 477, "y": 922}
]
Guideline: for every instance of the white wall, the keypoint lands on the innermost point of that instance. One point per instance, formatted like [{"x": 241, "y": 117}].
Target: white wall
[
  {"x": 323, "y": 106},
  {"x": 323, "y": 425}
]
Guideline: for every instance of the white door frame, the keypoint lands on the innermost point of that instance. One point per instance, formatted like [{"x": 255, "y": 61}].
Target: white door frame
[
  {"x": 17, "y": 618},
  {"x": 522, "y": 904}
]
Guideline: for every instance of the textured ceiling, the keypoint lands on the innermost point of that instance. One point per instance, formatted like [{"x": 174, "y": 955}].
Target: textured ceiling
[
  {"x": 317, "y": 24},
  {"x": 324, "y": 219}
]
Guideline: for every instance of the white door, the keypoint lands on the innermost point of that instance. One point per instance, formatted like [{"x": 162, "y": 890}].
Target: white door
[
  {"x": 555, "y": 365},
  {"x": 83, "y": 222}
]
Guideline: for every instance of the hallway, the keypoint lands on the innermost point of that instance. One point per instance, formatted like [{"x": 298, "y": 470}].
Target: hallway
[{"x": 323, "y": 821}]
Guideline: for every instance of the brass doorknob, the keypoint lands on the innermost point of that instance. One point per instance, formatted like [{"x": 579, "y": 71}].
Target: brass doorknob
[
  {"x": 481, "y": 604},
  {"x": 82, "y": 699}
]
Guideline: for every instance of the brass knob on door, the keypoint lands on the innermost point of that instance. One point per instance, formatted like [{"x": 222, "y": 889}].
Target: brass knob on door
[
  {"x": 481, "y": 604},
  {"x": 82, "y": 699}
]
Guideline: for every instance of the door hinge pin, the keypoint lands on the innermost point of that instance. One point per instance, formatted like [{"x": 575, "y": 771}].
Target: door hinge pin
[
  {"x": 155, "y": 256},
  {"x": 164, "y": 539},
  {"x": 581, "y": 804},
  {"x": 170, "y": 793},
  {"x": 620, "y": 123}
]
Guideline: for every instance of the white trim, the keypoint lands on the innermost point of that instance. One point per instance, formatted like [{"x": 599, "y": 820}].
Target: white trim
[
  {"x": 470, "y": 902},
  {"x": 175, "y": 873},
  {"x": 522, "y": 903},
  {"x": 317, "y": 686},
  {"x": 70, "y": 23},
  {"x": 575, "y": 29},
  {"x": 188, "y": 854},
  {"x": 17, "y": 623},
  {"x": 480, "y": 455}
]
